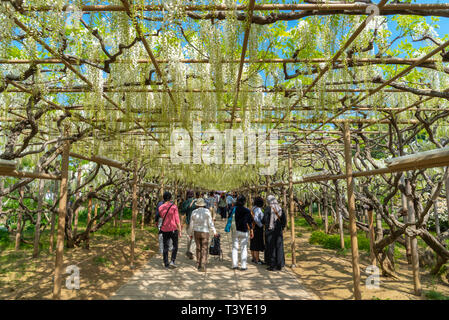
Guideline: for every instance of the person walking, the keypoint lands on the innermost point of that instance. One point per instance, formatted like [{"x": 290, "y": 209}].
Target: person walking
[
  {"x": 240, "y": 221},
  {"x": 158, "y": 225},
  {"x": 200, "y": 226},
  {"x": 187, "y": 207},
  {"x": 222, "y": 206},
  {"x": 274, "y": 221},
  {"x": 257, "y": 242},
  {"x": 230, "y": 201},
  {"x": 210, "y": 204},
  {"x": 170, "y": 228}
]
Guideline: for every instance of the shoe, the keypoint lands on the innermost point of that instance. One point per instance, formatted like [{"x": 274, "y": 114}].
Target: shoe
[
  {"x": 278, "y": 268},
  {"x": 235, "y": 268},
  {"x": 202, "y": 269},
  {"x": 243, "y": 269},
  {"x": 252, "y": 260},
  {"x": 259, "y": 262},
  {"x": 270, "y": 269},
  {"x": 189, "y": 255},
  {"x": 172, "y": 265},
  {"x": 166, "y": 266}
]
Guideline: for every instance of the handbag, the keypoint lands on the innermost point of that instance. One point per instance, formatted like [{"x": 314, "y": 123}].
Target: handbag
[
  {"x": 163, "y": 220},
  {"x": 230, "y": 221}
]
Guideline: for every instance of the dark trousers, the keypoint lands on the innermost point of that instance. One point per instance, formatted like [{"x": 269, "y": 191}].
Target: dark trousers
[
  {"x": 222, "y": 212},
  {"x": 166, "y": 236},
  {"x": 274, "y": 249}
]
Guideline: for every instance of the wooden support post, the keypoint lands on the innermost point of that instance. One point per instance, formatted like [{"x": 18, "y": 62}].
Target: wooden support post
[
  {"x": 175, "y": 195},
  {"x": 62, "y": 212},
  {"x": 53, "y": 217},
  {"x": 37, "y": 229},
  {"x": 365, "y": 218},
  {"x": 250, "y": 200},
  {"x": 437, "y": 218},
  {"x": 78, "y": 183},
  {"x": 142, "y": 210},
  {"x": 19, "y": 222},
  {"x": 351, "y": 209},
  {"x": 318, "y": 202},
  {"x": 447, "y": 195},
  {"x": 326, "y": 214},
  {"x": 89, "y": 207},
  {"x": 267, "y": 187},
  {"x": 292, "y": 209},
  {"x": 121, "y": 219},
  {"x": 134, "y": 215},
  {"x": 340, "y": 226},
  {"x": 115, "y": 216},
  {"x": 284, "y": 200},
  {"x": 379, "y": 228},
  {"x": 413, "y": 240},
  {"x": 373, "y": 259},
  {"x": 95, "y": 213},
  {"x": 311, "y": 208},
  {"x": 161, "y": 190},
  {"x": 1, "y": 200},
  {"x": 408, "y": 249}
]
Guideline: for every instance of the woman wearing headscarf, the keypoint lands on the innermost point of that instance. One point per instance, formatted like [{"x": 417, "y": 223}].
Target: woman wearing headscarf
[
  {"x": 274, "y": 222},
  {"x": 257, "y": 242}
]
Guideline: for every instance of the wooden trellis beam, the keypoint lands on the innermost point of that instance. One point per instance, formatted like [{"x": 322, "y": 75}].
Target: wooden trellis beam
[
  {"x": 32, "y": 175},
  {"x": 148, "y": 49},
  {"x": 397, "y": 76},
  {"x": 139, "y": 89},
  {"x": 263, "y": 121},
  {"x": 102, "y": 160},
  {"x": 364, "y": 61},
  {"x": 242, "y": 59},
  {"x": 423, "y": 160},
  {"x": 405, "y": 71},
  {"x": 33, "y": 34},
  {"x": 259, "y": 7},
  {"x": 336, "y": 56}
]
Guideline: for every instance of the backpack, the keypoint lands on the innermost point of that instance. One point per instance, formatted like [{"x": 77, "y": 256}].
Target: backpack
[{"x": 215, "y": 247}]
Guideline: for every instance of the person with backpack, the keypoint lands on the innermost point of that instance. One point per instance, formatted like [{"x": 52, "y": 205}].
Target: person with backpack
[
  {"x": 187, "y": 207},
  {"x": 158, "y": 225},
  {"x": 200, "y": 226},
  {"x": 257, "y": 242},
  {"x": 239, "y": 223},
  {"x": 274, "y": 221},
  {"x": 170, "y": 228}
]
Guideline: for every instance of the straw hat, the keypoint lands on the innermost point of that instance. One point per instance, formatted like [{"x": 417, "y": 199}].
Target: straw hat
[{"x": 200, "y": 202}]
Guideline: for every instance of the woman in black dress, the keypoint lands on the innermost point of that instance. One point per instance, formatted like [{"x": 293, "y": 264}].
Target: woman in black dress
[
  {"x": 257, "y": 243},
  {"x": 274, "y": 221}
]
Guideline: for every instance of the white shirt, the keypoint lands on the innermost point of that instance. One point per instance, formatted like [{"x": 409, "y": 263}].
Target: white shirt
[{"x": 201, "y": 221}]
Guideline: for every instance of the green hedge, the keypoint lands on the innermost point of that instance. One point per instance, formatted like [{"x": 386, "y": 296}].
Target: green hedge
[
  {"x": 5, "y": 240},
  {"x": 332, "y": 241}
]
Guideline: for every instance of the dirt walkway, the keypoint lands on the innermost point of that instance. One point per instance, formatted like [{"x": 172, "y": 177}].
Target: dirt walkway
[
  {"x": 103, "y": 269},
  {"x": 153, "y": 281},
  {"x": 329, "y": 275}
]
